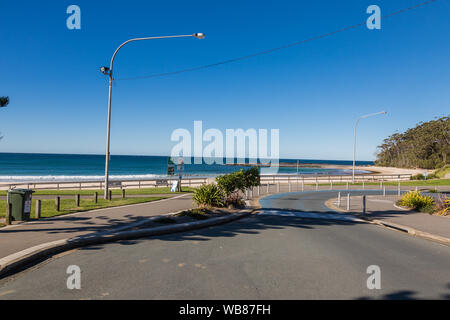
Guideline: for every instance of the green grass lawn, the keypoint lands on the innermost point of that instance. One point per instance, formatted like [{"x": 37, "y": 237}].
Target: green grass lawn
[
  {"x": 440, "y": 173},
  {"x": 68, "y": 205},
  {"x": 149, "y": 191}
]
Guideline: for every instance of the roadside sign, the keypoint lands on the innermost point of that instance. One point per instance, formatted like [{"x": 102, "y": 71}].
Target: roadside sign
[{"x": 170, "y": 167}]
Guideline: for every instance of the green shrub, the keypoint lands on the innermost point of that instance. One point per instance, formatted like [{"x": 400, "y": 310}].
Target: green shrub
[
  {"x": 233, "y": 183},
  {"x": 209, "y": 195},
  {"x": 251, "y": 178},
  {"x": 413, "y": 199},
  {"x": 418, "y": 177},
  {"x": 422, "y": 177}
]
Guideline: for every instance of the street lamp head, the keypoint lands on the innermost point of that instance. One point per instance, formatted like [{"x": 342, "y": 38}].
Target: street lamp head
[
  {"x": 104, "y": 70},
  {"x": 199, "y": 35}
]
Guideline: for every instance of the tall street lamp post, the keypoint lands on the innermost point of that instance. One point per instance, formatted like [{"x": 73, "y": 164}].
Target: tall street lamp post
[
  {"x": 109, "y": 72},
  {"x": 354, "y": 139}
]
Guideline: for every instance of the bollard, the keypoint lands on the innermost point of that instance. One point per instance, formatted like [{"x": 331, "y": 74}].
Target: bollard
[
  {"x": 317, "y": 186},
  {"x": 278, "y": 187},
  {"x": 417, "y": 189},
  {"x": 251, "y": 193},
  {"x": 381, "y": 184},
  {"x": 363, "y": 185},
  {"x": 259, "y": 190},
  {"x": 399, "y": 190},
  {"x": 268, "y": 188},
  {"x": 123, "y": 193},
  {"x": 246, "y": 194},
  {"x": 331, "y": 185},
  {"x": 364, "y": 204},
  {"x": 339, "y": 200},
  {"x": 95, "y": 197},
  {"x": 38, "y": 209},
  {"x": 347, "y": 185},
  {"x": 384, "y": 191},
  {"x": 110, "y": 195},
  {"x": 348, "y": 201},
  {"x": 303, "y": 185},
  {"x": 77, "y": 200},
  {"x": 57, "y": 203}
]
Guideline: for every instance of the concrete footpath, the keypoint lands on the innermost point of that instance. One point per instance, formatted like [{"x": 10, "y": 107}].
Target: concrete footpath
[
  {"x": 19, "y": 237},
  {"x": 383, "y": 210}
]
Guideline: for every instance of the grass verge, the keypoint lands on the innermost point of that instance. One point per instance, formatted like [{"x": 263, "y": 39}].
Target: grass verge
[
  {"x": 69, "y": 205},
  {"x": 143, "y": 191}
]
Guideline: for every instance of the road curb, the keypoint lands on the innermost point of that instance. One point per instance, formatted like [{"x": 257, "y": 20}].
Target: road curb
[
  {"x": 17, "y": 261},
  {"x": 399, "y": 227}
]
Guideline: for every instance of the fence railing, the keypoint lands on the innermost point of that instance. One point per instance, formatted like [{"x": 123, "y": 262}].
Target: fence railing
[
  {"x": 312, "y": 179},
  {"x": 195, "y": 182}
]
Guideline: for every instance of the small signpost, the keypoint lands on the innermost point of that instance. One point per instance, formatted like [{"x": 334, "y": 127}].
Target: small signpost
[{"x": 170, "y": 167}]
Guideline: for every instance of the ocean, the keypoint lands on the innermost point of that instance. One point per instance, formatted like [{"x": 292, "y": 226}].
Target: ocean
[{"x": 76, "y": 167}]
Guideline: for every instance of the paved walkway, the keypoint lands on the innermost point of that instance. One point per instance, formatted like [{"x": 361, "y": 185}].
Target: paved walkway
[
  {"x": 384, "y": 209},
  {"x": 19, "y": 237}
]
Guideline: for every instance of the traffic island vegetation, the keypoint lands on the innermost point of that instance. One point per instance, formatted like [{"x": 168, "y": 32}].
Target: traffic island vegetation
[
  {"x": 415, "y": 200},
  {"x": 190, "y": 215},
  {"x": 67, "y": 206},
  {"x": 229, "y": 189},
  {"x": 197, "y": 214}
]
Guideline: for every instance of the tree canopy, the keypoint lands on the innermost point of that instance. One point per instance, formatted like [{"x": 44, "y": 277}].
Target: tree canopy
[{"x": 425, "y": 146}]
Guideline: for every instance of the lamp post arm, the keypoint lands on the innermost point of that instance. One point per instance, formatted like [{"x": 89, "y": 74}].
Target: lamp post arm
[
  {"x": 140, "y": 39},
  {"x": 111, "y": 79},
  {"x": 354, "y": 139}
]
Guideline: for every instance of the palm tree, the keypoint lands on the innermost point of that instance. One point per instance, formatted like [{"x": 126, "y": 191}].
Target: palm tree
[{"x": 4, "y": 101}]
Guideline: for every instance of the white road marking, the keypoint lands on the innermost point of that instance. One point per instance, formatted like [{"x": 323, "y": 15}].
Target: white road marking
[{"x": 312, "y": 215}]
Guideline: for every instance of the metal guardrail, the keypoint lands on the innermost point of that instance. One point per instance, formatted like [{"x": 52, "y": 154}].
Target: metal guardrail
[{"x": 193, "y": 182}]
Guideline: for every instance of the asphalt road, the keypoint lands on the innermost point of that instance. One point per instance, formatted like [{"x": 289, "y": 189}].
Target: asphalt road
[{"x": 279, "y": 255}]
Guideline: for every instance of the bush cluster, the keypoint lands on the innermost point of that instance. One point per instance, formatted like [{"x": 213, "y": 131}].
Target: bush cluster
[
  {"x": 209, "y": 195},
  {"x": 414, "y": 199},
  {"x": 228, "y": 189},
  {"x": 422, "y": 177}
]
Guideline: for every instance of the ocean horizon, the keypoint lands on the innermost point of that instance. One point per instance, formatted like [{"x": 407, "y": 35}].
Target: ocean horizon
[{"x": 82, "y": 167}]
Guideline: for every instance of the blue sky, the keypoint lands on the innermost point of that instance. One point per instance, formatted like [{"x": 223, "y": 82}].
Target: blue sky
[{"x": 312, "y": 92}]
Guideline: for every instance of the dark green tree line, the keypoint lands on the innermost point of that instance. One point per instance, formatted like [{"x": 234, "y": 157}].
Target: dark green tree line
[{"x": 425, "y": 146}]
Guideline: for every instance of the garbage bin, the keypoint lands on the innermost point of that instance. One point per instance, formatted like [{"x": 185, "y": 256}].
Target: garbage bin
[{"x": 20, "y": 200}]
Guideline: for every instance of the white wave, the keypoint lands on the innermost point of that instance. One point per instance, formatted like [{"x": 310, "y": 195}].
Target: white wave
[{"x": 62, "y": 178}]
